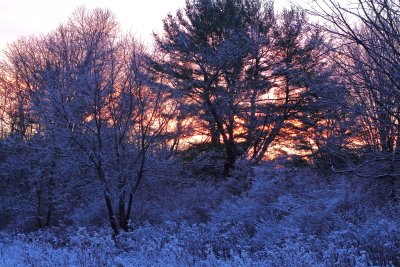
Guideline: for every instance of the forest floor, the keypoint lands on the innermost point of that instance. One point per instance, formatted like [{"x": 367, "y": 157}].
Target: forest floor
[{"x": 279, "y": 216}]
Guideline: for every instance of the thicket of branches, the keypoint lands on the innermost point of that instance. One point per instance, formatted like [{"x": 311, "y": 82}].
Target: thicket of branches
[{"x": 87, "y": 108}]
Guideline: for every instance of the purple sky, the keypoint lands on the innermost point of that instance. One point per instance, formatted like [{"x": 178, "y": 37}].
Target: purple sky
[{"x": 30, "y": 17}]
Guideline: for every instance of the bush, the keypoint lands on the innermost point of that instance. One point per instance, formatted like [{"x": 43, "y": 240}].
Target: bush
[{"x": 281, "y": 217}]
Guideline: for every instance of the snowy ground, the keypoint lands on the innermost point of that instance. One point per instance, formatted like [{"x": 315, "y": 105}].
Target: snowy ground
[{"x": 287, "y": 217}]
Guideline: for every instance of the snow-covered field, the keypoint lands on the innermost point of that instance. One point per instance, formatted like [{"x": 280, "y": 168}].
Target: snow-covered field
[{"x": 286, "y": 217}]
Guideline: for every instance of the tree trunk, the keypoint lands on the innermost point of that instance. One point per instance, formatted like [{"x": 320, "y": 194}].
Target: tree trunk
[
  {"x": 139, "y": 178},
  {"x": 215, "y": 136},
  {"x": 230, "y": 158},
  {"x": 39, "y": 208},
  {"x": 129, "y": 208},
  {"x": 267, "y": 141},
  {"x": 107, "y": 198},
  {"x": 110, "y": 211},
  {"x": 393, "y": 178},
  {"x": 50, "y": 192},
  {"x": 123, "y": 222}
]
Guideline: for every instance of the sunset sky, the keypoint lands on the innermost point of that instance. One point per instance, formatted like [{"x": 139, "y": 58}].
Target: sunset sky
[{"x": 31, "y": 17}]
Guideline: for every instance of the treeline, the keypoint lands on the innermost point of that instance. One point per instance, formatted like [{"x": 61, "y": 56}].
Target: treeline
[{"x": 86, "y": 107}]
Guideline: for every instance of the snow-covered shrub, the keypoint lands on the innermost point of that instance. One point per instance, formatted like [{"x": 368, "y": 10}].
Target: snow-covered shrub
[{"x": 286, "y": 217}]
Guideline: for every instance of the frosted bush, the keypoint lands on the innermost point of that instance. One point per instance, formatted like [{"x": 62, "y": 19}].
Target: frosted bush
[{"x": 286, "y": 217}]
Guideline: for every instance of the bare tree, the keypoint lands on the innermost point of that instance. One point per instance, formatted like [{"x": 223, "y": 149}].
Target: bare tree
[
  {"x": 90, "y": 92},
  {"x": 368, "y": 41},
  {"x": 368, "y": 32}
]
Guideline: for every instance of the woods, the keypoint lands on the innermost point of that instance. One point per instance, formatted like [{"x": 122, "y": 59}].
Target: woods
[{"x": 91, "y": 117}]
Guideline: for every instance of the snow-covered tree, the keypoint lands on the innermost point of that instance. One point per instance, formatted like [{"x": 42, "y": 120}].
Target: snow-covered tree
[
  {"x": 93, "y": 100},
  {"x": 241, "y": 70},
  {"x": 368, "y": 41}
]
